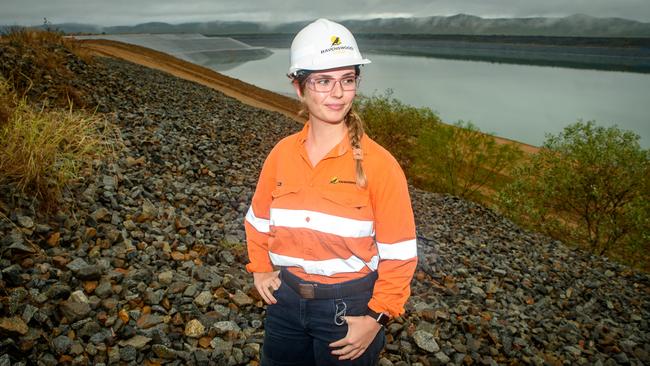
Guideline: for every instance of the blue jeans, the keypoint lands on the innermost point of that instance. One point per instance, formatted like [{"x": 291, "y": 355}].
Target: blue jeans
[{"x": 299, "y": 331}]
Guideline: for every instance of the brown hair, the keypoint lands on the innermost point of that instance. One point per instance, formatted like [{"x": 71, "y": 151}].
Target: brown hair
[{"x": 352, "y": 121}]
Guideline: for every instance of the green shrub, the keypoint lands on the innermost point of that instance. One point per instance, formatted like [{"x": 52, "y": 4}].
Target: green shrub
[
  {"x": 588, "y": 185},
  {"x": 395, "y": 125},
  {"x": 459, "y": 159},
  {"x": 462, "y": 160}
]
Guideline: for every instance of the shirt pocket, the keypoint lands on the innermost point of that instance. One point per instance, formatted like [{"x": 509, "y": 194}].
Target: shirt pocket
[
  {"x": 352, "y": 204},
  {"x": 282, "y": 191}
]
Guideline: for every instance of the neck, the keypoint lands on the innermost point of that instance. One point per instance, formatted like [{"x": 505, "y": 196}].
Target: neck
[{"x": 326, "y": 134}]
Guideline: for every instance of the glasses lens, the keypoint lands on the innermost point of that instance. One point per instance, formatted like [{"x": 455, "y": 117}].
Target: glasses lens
[{"x": 325, "y": 85}]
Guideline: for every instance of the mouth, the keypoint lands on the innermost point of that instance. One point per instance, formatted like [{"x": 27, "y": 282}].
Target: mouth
[{"x": 335, "y": 107}]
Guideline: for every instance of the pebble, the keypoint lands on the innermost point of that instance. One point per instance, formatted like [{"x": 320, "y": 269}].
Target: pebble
[
  {"x": 13, "y": 325},
  {"x": 426, "y": 341},
  {"x": 61, "y": 344},
  {"x": 137, "y": 342},
  {"x": 241, "y": 299},
  {"x": 194, "y": 329},
  {"x": 203, "y": 299}
]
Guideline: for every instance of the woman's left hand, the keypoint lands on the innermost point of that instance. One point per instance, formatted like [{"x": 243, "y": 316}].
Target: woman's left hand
[{"x": 361, "y": 332}]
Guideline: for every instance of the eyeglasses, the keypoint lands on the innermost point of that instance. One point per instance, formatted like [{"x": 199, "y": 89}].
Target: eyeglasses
[{"x": 325, "y": 85}]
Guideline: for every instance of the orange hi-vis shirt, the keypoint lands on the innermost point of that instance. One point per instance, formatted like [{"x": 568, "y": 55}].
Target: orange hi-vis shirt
[{"x": 315, "y": 221}]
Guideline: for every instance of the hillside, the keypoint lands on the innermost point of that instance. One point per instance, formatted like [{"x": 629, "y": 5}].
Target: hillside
[
  {"x": 145, "y": 263},
  {"x": 577, "y": 25}
]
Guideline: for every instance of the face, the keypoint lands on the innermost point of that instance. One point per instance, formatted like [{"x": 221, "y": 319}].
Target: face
[{"x": 328, "y": 107}]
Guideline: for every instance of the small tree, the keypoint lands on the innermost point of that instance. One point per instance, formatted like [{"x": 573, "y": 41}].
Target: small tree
[
  {"x": 588, "y": 185},
  {"x": 462, "y": 160}
]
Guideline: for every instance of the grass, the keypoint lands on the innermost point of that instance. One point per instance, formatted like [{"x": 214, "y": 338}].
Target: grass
[
  {"x": 41, "y": 151},
  {"x": 38, "y": 64}
]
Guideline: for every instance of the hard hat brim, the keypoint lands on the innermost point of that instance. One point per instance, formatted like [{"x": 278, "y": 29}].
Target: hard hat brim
[{"x": 330, "y": 65}]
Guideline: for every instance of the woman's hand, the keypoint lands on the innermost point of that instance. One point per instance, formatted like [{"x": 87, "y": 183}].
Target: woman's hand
[
  {"x": 361, "y": 332},
  {"x": 266, "y": 283}
]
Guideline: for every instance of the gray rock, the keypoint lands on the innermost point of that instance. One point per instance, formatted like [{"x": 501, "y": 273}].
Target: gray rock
[
  {"x": 4, "y": 360},
  {"x": 442, "y": 358},
  {"x": 241, "y": 299},
  {"x": 166, "y": 277},
  {"x": 76, "y": 349},
  {"x": 47, "y": 359},
  {"x": 163, "y": 352},
  {"x": 88, "y": 330},
  {"x": 204, "y": 299},
  {"x": 17, "y": 300},
  {"x": 478, "y": 291},
  {"x": 425, "y": 341},
  {"x": 104, "y": 289},
  {"x": 153, "y": 297},
  {"x": 128, "y": 353},
  {"x": 226, "y": 257},
  {"x": 61, "y": 345},
  {"x": 190, "y": 291},
  {"x": 101, "y": 214},
  {"x": 28, "y": 313},
  {"x": 16, "y": 243},
  {"x": 25, "y": 221},
  {"x": 114, "y": 355},
  {"x": 221, "y": 346},
  {"x": 137, "y": 342},
  {"x": 73, "y": 310},
  {"x": 224, "y": 327},
  {"x": 12, "y": 275}
]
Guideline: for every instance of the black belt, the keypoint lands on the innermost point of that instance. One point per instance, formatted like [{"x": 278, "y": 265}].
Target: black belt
[{"x": 313, "y": 290}]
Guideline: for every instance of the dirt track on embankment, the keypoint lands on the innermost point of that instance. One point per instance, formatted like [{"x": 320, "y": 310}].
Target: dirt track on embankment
[{"x": 242, "y": 91}]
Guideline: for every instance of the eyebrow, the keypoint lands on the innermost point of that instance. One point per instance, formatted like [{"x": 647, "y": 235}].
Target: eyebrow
[{"x": 351, "y": 73}]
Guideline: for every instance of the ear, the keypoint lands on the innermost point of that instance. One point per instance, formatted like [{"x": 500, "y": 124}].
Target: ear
[{"x": 296, "y": 87}]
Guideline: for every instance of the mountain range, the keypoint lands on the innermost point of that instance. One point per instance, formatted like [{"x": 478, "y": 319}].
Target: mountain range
[{"x": 577, "y": 25}]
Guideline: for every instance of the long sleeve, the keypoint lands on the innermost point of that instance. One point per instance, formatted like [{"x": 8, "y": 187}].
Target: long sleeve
[
  {"x": 257, "y": 219},
  {"x": 396, "y": 241}
]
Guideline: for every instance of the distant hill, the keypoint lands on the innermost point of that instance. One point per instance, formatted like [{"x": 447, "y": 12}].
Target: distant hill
[{"x": 577, "y": 25}]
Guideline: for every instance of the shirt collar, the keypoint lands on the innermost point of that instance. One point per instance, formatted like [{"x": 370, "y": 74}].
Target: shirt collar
[{"x": 340, "y": 149}]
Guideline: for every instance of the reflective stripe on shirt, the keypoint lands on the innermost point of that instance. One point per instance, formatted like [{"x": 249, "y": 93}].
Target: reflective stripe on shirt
[
  {"x": 325, "y": 223},
  {"x": 402, "y": 250},
  {"x": 261, "y": 225},
  {"x": 326, "y": 267}
]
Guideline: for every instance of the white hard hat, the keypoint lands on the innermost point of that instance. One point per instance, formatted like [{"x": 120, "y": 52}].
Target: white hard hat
[{"x": 323, "y": 45}]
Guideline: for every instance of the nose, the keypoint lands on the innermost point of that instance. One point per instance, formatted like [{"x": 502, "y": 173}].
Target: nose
[{"x": 337, "y": 90}]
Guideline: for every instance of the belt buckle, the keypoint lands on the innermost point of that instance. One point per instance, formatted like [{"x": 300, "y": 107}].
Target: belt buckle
[{"x": 306, "y": 290}]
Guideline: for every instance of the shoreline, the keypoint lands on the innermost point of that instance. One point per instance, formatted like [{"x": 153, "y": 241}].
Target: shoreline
[{"x": 240, "y": 90}]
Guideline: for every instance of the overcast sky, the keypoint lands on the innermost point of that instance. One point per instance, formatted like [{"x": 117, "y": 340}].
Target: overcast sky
[{"x": 129, "y": 12}]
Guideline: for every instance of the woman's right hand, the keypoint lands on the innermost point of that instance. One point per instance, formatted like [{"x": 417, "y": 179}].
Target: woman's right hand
[{"x": 266, "y": 283}]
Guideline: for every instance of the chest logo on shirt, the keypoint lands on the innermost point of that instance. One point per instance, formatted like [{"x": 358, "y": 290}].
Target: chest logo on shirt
[{"x": 336, "y": 180}]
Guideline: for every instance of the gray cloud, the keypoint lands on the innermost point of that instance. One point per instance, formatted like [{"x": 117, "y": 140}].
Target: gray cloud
[{"x": 128, "y": 12}]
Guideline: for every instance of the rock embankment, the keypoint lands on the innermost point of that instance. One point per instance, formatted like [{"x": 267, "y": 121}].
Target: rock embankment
[{"x": 147, "y": 264}]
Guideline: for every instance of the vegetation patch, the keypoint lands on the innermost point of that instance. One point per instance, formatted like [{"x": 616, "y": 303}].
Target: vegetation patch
[
  {"x": 590, "y": 186},
  {"x": 42, "y": 150},
  {"x": 459, "y": 160},
  {"x": 44, "y": 66}
]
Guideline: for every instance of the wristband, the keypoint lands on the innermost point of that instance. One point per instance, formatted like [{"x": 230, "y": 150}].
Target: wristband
[{"x": 380, "y": 318}]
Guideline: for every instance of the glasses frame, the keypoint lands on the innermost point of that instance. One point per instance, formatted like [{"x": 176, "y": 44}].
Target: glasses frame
[{"x": 311, "y": 83}]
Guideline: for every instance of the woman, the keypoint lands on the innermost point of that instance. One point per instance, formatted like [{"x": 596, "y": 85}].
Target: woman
[{"x": 330, "y": 231}]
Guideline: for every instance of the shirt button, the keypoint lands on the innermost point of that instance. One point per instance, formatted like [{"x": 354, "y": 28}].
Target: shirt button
[{"x": 307, "y": 219}]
